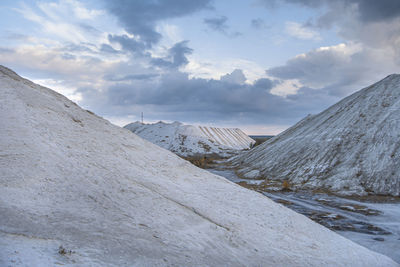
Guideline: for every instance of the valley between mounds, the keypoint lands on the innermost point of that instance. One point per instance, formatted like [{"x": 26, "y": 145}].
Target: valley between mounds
[{"x": 371, "y": 221}]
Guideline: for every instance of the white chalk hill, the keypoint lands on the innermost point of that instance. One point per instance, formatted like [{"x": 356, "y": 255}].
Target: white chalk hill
[
  {"x": 350, "y": 148},
  {"x": 189, "y": 140},
  {"x": 70, "y": 178}
]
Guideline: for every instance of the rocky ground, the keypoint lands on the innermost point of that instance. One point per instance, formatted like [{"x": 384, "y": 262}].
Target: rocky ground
[{"x": 370, "y": 221}]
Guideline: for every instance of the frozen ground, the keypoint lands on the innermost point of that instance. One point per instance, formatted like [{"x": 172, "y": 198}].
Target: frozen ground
[{"x": 373, "y": 225}]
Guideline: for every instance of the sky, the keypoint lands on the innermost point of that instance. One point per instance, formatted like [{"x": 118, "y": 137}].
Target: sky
[{"x": 259, "y": 65}]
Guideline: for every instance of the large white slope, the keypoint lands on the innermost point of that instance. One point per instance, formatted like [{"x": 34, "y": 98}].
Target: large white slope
[
  {"x": 70, "y": 178},
  {"x": 350, "y": 148},
  {"x": 189, "y": 140}
]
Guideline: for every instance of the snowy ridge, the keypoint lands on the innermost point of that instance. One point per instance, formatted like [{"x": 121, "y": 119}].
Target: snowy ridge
[
  {"x": 350, "y": 148},
  {"x": 188, "y": 140},
  {"x": 72, "y": 179},
  {"x": 230, "y": 137}
]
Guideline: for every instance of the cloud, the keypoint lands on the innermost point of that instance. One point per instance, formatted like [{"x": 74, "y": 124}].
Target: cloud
[
  {"x": 356, "y": 19},
  {"x": 128, "y": 43},
  {"x": 106, "y": 48},
  {"x": 258, "y": 24},
  {"x": 236, "y": 77},
  {"x": 78, "y": 47},
  {"x": 371, "y": 10},
  {"x": 66, "y": 20},
  {"x": 53, "y": 62},
  {"x": 175, "y": 96},
  {"x": 219, "y": 24},
  {"x": 318, "y": 66},
  {"x": 140, "y": 17},
  {"x": 129, "y": 77},
  {"x": 370, "y": 49},
  {"x": 299, "y": 31},
  {"x": 176, "y": 56},
  {"x": 366, "y": 10},
  {"x": 339, "y": 70},
  {"x": 379, "y": 36},
  {"x": 287, "y": 87}
]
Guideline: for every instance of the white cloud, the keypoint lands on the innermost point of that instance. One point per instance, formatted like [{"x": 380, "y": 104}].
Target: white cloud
[
  {"x": 340, "y": 69},
  {"x": 59, "y": 86},
  {"x": 299, "y": 31},
  {"x": 213, "y": 69},
  {"x": 42, "y": 58},
  {"x": 64, "y": 8},
  {"x": 286, "y": 87},
  {"x": 65, "y": 21},
  {"x": 236, "y": 77},
  {"x": 343, "y": 48}
]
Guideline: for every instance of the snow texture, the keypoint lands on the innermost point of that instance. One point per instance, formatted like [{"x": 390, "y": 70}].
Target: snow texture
[
  {"x": 70, "y": 178},
  {"x": 350, "y": 148},
  {"x": 189, "y": 140}
]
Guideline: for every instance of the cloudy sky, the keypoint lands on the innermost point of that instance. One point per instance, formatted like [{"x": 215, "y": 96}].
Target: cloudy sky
[{"x": 260, "y": 65}]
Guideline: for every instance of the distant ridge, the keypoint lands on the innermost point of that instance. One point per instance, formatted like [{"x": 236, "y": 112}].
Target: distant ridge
[{"x": 188, "y": 140}]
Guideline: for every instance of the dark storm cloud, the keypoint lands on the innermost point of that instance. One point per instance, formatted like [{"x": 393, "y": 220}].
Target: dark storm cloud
[
  {"x": 372, "y": 10},
  {"x": 179, "y": 93},
  {"x": 176, "y": 56},
  {"x": 367, "y": 10},
  {"x": 140, "y": 17},
  {"x": 177, "y": 97},
  {"x": 119, "y": 78}
]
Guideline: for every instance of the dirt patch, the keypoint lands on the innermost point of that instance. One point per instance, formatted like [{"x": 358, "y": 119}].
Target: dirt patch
[
  {"x": 203, "y": 161},
  {"x": 204, "y": 146},
  {"x": 267, "y": 186}
]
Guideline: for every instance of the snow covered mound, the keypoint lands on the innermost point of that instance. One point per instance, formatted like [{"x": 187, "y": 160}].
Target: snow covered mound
[
  {"x": 350, "y": 148},
  {"x": 76, "y": 190},
  {"x": 188, "y": 140}
]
